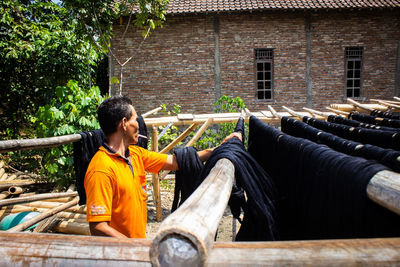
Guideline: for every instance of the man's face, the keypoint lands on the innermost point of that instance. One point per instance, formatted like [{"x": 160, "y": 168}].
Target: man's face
[{"x": 133, "y": 128}]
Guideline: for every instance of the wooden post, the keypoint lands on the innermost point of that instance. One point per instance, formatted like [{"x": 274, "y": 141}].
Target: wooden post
[
  {"x": 155, "y": 178},
  {"x": 186, "y": 236}
]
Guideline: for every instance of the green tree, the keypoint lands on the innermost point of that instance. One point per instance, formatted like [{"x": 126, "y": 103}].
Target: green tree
[{"x": 39, "y": 49}]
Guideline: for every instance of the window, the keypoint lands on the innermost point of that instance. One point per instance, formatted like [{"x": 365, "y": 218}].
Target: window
[
  {"x": 353, "y": 71},
  {"x": 264, "y": 73}
]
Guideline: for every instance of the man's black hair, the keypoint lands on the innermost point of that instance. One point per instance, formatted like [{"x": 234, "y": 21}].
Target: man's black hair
[{"x": 112, "y": 111}]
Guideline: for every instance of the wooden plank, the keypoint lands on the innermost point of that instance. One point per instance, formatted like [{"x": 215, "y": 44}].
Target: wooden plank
[
  {"x": 184, "y": 116},
  {"x": 26, "y": 249},
  {"x": 195, "y": 222},
  {"x": 24, "y": 144},
  {"x": 155, "y": 178},
  {"x": 350, "y": 252}
]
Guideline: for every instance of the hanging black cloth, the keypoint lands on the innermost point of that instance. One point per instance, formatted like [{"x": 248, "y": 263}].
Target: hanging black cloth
[
  {"x": 384, "y": 114},
  {"x": 259, "y": 214},
  {"x": 354, "y": 123},
  {"x": 321, "y": 192},
  {"x": 385, "y": 139},
  {"x": 385, "y": 156},
  {"x": 373, "y": 120},
  {"x": 84, "y": 151}
]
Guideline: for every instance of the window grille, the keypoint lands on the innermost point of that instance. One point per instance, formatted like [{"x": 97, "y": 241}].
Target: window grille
[
  {"x": 264, "y": 73},
  {"x": 354, "y": 56}
]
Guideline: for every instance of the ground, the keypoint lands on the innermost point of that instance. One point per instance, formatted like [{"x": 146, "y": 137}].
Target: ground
[{"x": 167, "y": 196}]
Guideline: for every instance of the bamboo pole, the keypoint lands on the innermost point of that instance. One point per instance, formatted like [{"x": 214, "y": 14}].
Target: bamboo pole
[
  {"x": 15, "y": 190},
  {"x": 340, "y": 112},
  {"x": 51, "y": 205},
  {"x": 12, "y": 177},
  {"x": 273, "y": 111},
  {"x": 388, "y": 101},
  {"x": 194, "y": 224},
  {"x": 294, "y": 113},
  {"x": 151, "y": 112},
  {"x": 384, "y": 189},
  {"x": 356, "y": 104},
  {"x": 391, "y": 105},
  {"x": 179, "y": 138},
  {"x": 4, "y": 194},
  {"x": 2, "y": 171},
  {"x": 396, "y": 98},
  {"x": 155, "y": 178},
  {"x": 199, "y": 133},
  {"x": 18, "y": 200},
  {"x": 7, "y": 184},
  {"x": 318, "y": 113},
  {"x": 38, "y": 218},
  {"x": 73, "y": 228},
  {"x": 24, "y": 144}
]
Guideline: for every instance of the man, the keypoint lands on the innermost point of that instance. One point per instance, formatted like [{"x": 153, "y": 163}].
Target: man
[{"x": 115, "y": 180}]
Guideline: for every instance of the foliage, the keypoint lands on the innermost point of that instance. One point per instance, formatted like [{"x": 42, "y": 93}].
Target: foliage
[
  {"x": 214, "y": 136},
  {"x": 40, "y": 49},
  {"x": 172, "y": 132},
  {"x": 97, "y": 17},
  {"x": 73, "y": 110}
]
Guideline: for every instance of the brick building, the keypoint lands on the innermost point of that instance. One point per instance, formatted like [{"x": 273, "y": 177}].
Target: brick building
[{"x": 294, "y": 53}]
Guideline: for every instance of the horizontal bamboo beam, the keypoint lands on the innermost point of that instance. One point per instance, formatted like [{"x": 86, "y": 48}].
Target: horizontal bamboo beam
[
  {"x": 337, "y": 111},
  {"x": 24, "y": 144},
  {"x": 8, "y": 184},
  {"x": 66, "y": 250},
  {"x": 194, "y": 224},
  {"x": 19, "y": 200},
  {"x": 350, "y": 107}
]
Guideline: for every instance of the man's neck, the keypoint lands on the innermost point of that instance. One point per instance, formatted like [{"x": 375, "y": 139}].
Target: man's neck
[{"x": 118, "y": 143}]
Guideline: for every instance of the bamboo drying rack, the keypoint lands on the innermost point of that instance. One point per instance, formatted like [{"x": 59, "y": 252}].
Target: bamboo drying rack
[{"x": 192, "y": 221}]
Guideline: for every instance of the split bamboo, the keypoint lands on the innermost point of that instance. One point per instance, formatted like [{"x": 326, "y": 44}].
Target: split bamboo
[
  {"x": 40, "y": 217},
  {"x": 195, "y": 222},
  {"x": 18, "y": 200},
  {"x": 155, "y": 178}
]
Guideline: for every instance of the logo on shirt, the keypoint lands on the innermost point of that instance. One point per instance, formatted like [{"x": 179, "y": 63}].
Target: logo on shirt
[
  {"x": 97, "y": 210},
  {"x": 144, "y": 188}
]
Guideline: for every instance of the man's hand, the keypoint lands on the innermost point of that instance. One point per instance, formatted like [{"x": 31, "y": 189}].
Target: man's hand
[{"x": 233, "y": 135}]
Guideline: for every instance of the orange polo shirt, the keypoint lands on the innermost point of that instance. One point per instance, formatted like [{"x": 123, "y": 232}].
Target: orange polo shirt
[{"x": 114, "y": 194}]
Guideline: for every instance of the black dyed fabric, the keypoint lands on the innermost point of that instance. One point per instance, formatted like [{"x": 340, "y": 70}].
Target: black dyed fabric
[
  {"x": 373, "y": 120},
  {"x": 321, "y": 192},
  {"x": 385, "y": 156},
  {"x": 384, "y": 114},
  {"x": 142, "y": 142},
  {"x": 84, "y": 151},
  {"x": 187, "y": 178},
  {"x": 354, "y": 123},
  {"x": 259, "y": 214},
  {"x": 239, "y": 128},
  {"x": 385, "y": 139}
]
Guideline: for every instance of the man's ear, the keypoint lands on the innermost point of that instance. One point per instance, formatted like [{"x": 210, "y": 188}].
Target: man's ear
[{"x": 123, "y": 123}]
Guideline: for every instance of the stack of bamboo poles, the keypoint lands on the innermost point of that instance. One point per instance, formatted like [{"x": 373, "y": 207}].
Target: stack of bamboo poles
[{"x": 59, "y": 212}]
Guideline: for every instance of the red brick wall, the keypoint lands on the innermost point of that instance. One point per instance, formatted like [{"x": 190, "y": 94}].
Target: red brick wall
[{"x": 176, "y": 63}]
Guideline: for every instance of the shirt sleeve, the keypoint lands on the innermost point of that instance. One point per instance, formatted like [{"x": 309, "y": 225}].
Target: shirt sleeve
[
  {"x": 99, "y": 194},
  {"x": 153, "y": 161}
]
